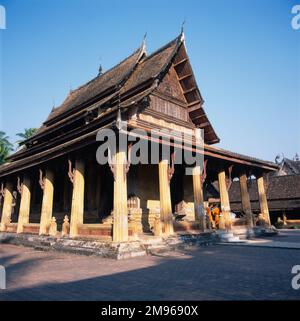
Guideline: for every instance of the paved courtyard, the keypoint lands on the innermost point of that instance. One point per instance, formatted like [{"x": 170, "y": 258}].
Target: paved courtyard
[{"x": 208, "y": 273}]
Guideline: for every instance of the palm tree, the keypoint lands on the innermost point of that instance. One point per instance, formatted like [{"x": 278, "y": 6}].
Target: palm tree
[
  {"x": 5, "y": 147},
  {"x": 28, "y": 132}
]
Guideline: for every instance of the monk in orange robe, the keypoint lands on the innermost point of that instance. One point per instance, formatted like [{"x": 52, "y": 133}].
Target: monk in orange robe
[
  {"x": 211, "y": 221},
  {"x": 216, "y": 214}
]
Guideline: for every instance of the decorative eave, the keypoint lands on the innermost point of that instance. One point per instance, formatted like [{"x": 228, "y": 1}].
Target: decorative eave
[
  {"x": 192, "y": 95},
  {"x": 88, "y": 138}
]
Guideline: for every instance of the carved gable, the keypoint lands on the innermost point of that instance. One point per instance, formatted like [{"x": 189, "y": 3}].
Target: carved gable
[{"x": 170, "y": 86}]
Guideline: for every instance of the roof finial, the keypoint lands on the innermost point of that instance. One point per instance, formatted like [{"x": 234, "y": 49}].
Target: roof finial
[
  {"x": 119, "y": 115},
  {"x": 182, "y": 31},
  {"x": 182, "y": 27},
  {"x": 144, "y": 41},
  {"x": 53, "y": 104},
  {"x": 100, "y": 70}
]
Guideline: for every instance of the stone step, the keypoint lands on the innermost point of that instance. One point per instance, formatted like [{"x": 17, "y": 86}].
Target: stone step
[
  {"x": 226, "y": 236},
  {"x": 107, "y": 249},
  {"x": 152, "y": 241},
  {"x": 157, "y": 246},
  {"x": 41, "y": 248},
  {"x": 234, "y": 239}
]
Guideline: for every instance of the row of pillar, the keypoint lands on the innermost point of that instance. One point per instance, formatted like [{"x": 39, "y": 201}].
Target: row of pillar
[
  {"x": 224, "y": 198},
  {"x": 120, "y": 212}
]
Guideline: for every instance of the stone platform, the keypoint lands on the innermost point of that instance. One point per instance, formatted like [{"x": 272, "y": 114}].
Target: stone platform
[{"x": 145, "y": 245}]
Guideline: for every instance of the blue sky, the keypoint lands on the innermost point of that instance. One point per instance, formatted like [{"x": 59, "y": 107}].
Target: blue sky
[{"x": 245, "y": 55}]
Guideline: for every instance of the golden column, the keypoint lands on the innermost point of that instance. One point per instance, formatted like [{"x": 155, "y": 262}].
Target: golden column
[
  {"x": 198, "y": 197},
  {"x": 24, "y": 210},
  {"x": 47, "y": 203},
  {"x": 246, "y": 204},
  {"x": 7, "y": 206},
  {"x": 166, "y": 215},
  {"x": 225, "y": 205},
  {"x": 120, "y": 212},
  {"x": 77, "y": 207},
  {"x": 263, "y": 199}
]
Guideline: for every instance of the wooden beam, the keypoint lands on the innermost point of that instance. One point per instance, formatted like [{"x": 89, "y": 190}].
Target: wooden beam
[
  {"x": 196, "y": 107},
  {"x": 209, "y": 132},
  {"x": 184, "y": 77},
  {"x": 197, "y": 117},
  {"x": 190, "y": 90},
  {"x": 180, "y": 62},
  {"x": 198, "y": 101},
  {"x": 209, "y": 150},
  {"x": 204, "y": 124}
]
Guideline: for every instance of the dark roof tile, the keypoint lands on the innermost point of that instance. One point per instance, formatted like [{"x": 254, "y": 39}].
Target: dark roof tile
[
  {"x": 111, "y": 78},
  {"x": 278, "y": 188}
]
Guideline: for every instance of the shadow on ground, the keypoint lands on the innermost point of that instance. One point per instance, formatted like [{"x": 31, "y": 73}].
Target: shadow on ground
[{"x": 211, "y": 273}]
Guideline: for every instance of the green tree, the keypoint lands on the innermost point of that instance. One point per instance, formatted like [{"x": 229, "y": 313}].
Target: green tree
[
  {"x": 28, "y": 132},
  {"x": 5, "y": 147}
]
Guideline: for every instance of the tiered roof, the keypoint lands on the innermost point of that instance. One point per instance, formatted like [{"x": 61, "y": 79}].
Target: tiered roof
[{"x": 128, "y": 83}]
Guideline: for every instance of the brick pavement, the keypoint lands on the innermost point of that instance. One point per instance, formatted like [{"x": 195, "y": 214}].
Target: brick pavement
[{"x": 210, "y": 273}]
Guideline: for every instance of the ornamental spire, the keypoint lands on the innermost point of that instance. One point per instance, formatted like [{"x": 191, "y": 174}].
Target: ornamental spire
[{"x": 182, "y": 30}]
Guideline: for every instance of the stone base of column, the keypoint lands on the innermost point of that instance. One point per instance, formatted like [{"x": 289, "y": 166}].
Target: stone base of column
[
  {"x": 264, "y": 231},
  {"x": 222, "y": 221},
  {"x": 114, "y": 250},
  {"x": 2, "y": 227},
  {"x": 228, "y": 221}
]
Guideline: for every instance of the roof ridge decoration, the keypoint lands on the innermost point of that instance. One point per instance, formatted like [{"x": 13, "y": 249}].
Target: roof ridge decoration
[
  {"x": 140, "y": 52},
  {"x": 157, "y": 71},
  {"x": 157, "y": 51},
  {"x": 141, "y": 57}
]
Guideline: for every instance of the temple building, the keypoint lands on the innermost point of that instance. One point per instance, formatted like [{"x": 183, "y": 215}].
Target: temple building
[{"x": 55, "y": 186}]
